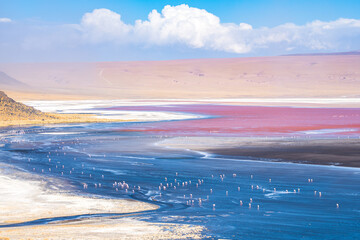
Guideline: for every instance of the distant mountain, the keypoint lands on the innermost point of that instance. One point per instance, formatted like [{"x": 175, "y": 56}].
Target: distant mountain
[
  {"x": 325, "y": 54},
  {"x": 7, "y": 82}
]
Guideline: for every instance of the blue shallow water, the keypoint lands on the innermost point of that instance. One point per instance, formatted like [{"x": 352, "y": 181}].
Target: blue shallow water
[{"x": 110, "y": 155}]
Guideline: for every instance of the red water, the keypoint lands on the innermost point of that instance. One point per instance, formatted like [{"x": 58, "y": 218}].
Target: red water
[{"x": 252, "y": 121}]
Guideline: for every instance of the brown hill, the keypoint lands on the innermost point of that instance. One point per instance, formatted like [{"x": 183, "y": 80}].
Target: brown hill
[
  {"x": 12, "y": 110},
  {"x": 15, "y": 113}
]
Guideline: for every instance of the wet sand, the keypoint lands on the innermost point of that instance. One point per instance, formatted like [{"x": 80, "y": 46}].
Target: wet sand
[
  {"x": 340, "y": 152},
  {"x": 124, "y": 228}
]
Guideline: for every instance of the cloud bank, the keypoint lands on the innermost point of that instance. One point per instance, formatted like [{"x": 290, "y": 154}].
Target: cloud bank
[
  {"x": 189, "y": 29},
  {"x": 197, "y": 28}
]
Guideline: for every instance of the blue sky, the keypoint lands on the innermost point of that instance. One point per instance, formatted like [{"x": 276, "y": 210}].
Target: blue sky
[
  {"x": 256, "y": 12},
  {"x": 54, "y": 30}
]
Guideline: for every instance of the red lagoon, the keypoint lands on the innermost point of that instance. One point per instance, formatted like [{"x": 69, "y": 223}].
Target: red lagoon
[{"x": 228, "y": 120}]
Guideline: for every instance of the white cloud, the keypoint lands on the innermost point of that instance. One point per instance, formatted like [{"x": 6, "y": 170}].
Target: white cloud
[
  {"x": 198, "y": 28},
  {"x": 5, "y": 20},
  {"x": 180, "y": 24},
  {"x": 103, "y": 25},
  {"x": 191, "y": 26}
]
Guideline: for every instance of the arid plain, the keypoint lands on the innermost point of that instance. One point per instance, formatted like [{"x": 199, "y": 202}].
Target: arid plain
[{"x": 309, "y": 76}]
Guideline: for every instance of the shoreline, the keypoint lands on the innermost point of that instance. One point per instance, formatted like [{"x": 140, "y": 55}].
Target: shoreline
[
  {"x": 67, "y": 112},
  {"x": 279, "y": 101},
  {"x": 327, "y": 151},
  {"x": 28, "y": 197},
  {"x": 47, "y": 198}
]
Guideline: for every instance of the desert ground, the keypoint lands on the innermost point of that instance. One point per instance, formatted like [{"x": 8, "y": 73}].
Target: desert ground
[{"x": 319, "y": 76}]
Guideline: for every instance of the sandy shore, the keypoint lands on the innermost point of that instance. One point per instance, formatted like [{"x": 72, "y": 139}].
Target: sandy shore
[
  {"x": 27, "y": 197},
  {"x": 341, "y": 152},
  {"x": 62, "y": 118}
]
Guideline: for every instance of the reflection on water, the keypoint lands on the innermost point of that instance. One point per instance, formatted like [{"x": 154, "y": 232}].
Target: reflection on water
[{"x": 233, "y": 198}]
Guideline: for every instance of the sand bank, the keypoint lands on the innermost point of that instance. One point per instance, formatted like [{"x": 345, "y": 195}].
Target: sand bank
[
  {"x": 124, "y": 228},
  {"x": 330, "y": 151}
]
